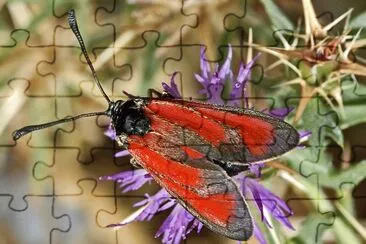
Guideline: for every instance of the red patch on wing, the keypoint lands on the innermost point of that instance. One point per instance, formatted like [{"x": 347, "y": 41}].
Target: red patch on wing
[
  {"x": 216, "y": 207},
  {"x": 192, "y": 154},
  {"x": 184, "y": 181},
  {"x": 208, "y": 129},
  {"x": 257, "y": 133},
  {"x": 153, "y": 161}
]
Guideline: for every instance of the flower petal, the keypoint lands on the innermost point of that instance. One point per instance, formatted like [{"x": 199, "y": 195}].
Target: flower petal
[
  {"x": 205, "y": 66},
  {"x": 122, "y": 154},
  {"x": 239, "y": 86},
  {"x": 258, "y": 234},
  {"x": 172, "y": 89},
  {"x": 256, "y": 168},
  {"x": 275, "y": 205},
  {"x": 110, "y": 132},
  {"x": 225, "y": 69},
  {"x": 129, "y": 180},
  {"x": 280, "y": 113},
  {"x": 154, "y": 203},
  {"x": 177, "y": 225},
  {"x": 215, "y": 93}
]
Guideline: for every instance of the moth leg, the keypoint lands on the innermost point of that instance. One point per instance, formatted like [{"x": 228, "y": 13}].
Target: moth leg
[
  {"x": 230, "y": 168},
  {"x": 135, "y": 163},
  {"x": 122, "y": 140}
]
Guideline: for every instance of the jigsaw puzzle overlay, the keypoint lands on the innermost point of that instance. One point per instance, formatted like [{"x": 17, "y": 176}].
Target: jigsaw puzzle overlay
[{"x": 50, "y": 187}]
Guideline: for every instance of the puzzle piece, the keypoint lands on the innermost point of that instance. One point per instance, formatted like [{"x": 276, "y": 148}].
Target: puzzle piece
[
  {"x": 83, "y": 214},
  {"x": 41, "y": 220},
  {"x": 122, "y": 209},
  {"x": 68, "y": 159},
  {"x": 20, "y": 179},
  {"x": 29, "y": 69}
]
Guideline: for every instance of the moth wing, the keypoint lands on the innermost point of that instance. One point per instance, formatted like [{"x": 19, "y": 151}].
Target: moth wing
[
  {"x": 241, "y": 135},
  {"x": 202, "y": 187}
]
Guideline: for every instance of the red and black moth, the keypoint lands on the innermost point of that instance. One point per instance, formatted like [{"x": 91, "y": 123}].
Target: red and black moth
[{"x": 192, "y": 148}]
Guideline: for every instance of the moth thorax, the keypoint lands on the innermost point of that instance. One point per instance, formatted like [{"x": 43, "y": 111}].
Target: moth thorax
[
  {"x": 136, "y": 124},
  {"x": 128, "y": 118}
]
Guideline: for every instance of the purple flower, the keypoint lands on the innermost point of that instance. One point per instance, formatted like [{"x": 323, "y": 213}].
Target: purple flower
[
  {"x": 213, "y": 82},
  {"x": 180, "y": 222}
]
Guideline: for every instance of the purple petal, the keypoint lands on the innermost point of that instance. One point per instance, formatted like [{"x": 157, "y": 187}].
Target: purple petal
[
  {"x": 196, "y": 224},
  {"x": 199, "y": 79},
  {"x": 213, "y": 83},
  {"x": 172, "y": 89},
  {"x": 153, "y": 204},
  {"x": 215, "y": 93},
  {"x": 225, "y": 69},
  {"x": 177, "y": 225},
  {"x": 149, "y": 209},
  {"x": 122, "y": 153},
  {"x": 258, "y": 234},
  {"x": 275, "y": 205},
  {"x": 129, "y": 180},
  {"x": 245, "y": 70},
  {"x": 239, "y": 86},
  {"x": 258, "y": 200},
  {"x": 205, "y": 66},
  {"x": 280, "y": 113},
  {"x": 167, "y": 205},
  {"x": 304, "y": 135},
  {"x": 255, "y": 168},
  {"x": 110, "y": 132}
]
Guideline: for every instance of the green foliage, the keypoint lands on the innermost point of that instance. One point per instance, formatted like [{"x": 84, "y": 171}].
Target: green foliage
[
  {"x": 359, "y": 21},
  {"x": 278, "y": 19}
]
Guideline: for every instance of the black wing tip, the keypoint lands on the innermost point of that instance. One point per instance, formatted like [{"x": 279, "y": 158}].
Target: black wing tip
[
  {"x": 240, "y": 225},
  {"x": 240, "y": 235},
  {"x": 288, "y": 133},
  {"x": 238, "y": 228},
  {"x": 294, "y": 137}
]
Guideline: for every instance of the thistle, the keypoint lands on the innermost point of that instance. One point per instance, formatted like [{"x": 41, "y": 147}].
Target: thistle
[
  {"x": 319, "y": 60},
  {"x": 180, "y": 222}
]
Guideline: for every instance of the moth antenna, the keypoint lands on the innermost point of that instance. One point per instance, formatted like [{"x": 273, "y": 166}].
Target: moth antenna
[
  {"x": 75, "y": 29},
  {"x": 27, "y": 129}
]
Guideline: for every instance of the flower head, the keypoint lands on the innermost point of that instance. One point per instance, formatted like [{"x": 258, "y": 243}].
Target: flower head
[{"x": 180, "y": 222}]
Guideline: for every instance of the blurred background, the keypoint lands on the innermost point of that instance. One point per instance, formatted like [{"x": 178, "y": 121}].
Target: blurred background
[{"x": 49, "y": 187}]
